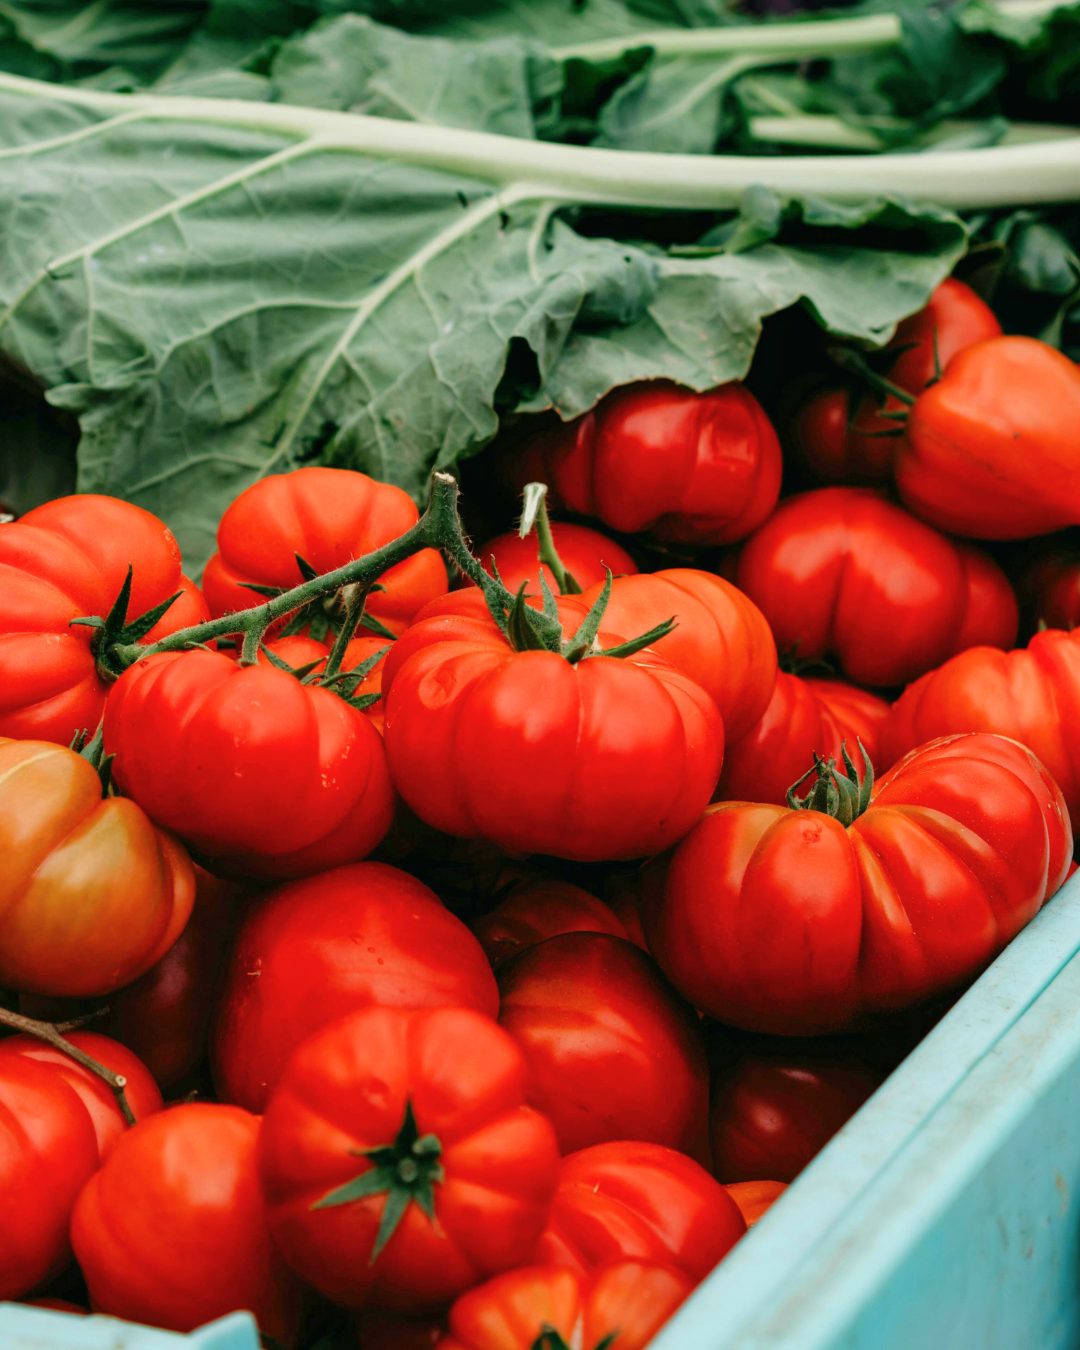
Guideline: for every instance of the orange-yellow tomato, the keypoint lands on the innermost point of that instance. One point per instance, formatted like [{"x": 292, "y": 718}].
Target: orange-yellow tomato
[{"x": 91, "y": 893}]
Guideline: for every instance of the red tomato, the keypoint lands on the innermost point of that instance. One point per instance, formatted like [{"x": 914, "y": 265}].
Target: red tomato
[
  {"x": 142, "y": 1093},
  {"x": 775, "y": 1105},
  {"x": 620, "y": 1306},
  {"x": 641, "y": 1202},
  {"x": 269, "y": 777},
  {"x": 173, "y": 1230},
  {"x": 420, "y": 1115},
  {"x": 843, "y": 572},
  {"x": 585, "y": 553},
  {"x": 838, "y": 449},
  {"x": 755, "y": 1198},
  {"x": 990, "y": 449},
  {"x": 536, "y": 910},
  {"x": 68, "y": 560},
  {"x": 91, "y": 894},
  {"x": 804, "y": 718},
  {"x": 332, "y": 944},
  {"x": 48, "y": 1149},
  {"x": 722, "y": 640},
  {"x": 603, "y": 759},
  {"x": 689, "y": 468},
  {"x": 613, "y": 1052},
  {"x": 298, "y": 651},
  {"x": 328, "y": 517},
  {"x": 1052, "y": 587},
  {"x": 623, "y": 894},
  {"x": 1031, "y": 695},
  {"x": 789, "y": 923}
]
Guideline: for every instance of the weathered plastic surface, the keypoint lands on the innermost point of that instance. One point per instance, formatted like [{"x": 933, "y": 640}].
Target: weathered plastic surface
[
  {"x": 944, "y": 1216},
  {"x": 24, "y": 1328}
]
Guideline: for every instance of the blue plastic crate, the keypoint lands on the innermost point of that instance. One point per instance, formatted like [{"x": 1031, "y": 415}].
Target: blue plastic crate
[{"x": 944, "y": 1216}]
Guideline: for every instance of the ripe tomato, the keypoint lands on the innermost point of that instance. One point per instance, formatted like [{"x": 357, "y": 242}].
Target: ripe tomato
[
  {"x": 789, "y": 923},
  {"x": 639, "y": 1201},
  {"x": 722, "y": 640},
  {"x": 91, "y": 893},
  {"x": 399, "y": 1161},
  {"x": 536, "y": 910},
  {"x": 804, "y": 718},
  {"x": 332, "y": 944},
  {"x": 755, "y": 1198},
  {"x": 613, "y": 1052},
  {"x": 68, "y": 560},
  {"x": 1031, "y": 695},
  {"x": 603, "y": 759},
  {"x": 843, "y": 572},
  {"x": 142, "y": 1093},
  {"x": 839, "y": 448},
  {"x": 776, "y": 1104},
  {"x": 990, "y": 449},
  {"x": 48, "y": 1149},
  {"x": 328, "y": 517},
  {"x": 173, "y": 1230},
  {"x": 689, "y": 468},
  {"x": 620, "y": 1306},
  {"x": 299, "y": 651},
  {"x": 585, "y": 553},
  {"x": 1052, "y": 589},
  {"x": 268, "y": 777}
]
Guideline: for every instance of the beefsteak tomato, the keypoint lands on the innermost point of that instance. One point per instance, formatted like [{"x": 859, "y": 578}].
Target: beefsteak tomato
[
  {"x": 793, "y": 923},
  {"x": 689, "y": 468},
  {"x": 613, "y": 1052},
  {"x": 620, "y": 1306},
  {"x": 329, "y": 517},
  {"x": 639, "y": 1201},
  {"x": 91, "y": 893},
  {"x": 314, "y": 950},
  {"x": 399, "y": 1160},
  {"x": 173, "y": 1230},
  {"x": 267, "y": 777},
  {"x": 586, "y": 554},
  {"x": 843, "y": 572},
  {"x": 68, "y": 560},
  {"x": 537, "y": 910}
]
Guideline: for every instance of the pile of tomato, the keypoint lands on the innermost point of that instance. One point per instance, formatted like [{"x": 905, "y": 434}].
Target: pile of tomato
[{"x": 482, "y": 954}]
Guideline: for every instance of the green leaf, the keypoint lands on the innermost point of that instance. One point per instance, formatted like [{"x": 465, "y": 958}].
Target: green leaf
[{"x": 673, "y": 106}]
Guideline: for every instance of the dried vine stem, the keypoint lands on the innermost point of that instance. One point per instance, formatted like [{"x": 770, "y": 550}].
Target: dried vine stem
[{"x": 51, "y": 1034}]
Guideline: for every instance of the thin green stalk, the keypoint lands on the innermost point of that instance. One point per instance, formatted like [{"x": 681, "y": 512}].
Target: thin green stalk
[{"x": 535, "y": 517}]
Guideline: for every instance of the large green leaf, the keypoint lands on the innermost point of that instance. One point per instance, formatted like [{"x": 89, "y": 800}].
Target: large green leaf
[
  {"x": 223, "y": 291},
  {"x": 77, "y": 39}
]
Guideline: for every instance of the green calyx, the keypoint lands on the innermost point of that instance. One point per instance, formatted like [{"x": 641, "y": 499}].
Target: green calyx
[
  {"x": 841, "y": 796},
  {"x": 550, "y": 1339},
  {"x": 114, "y": 631},
  {"x": 92, "y": 749},
  {"x": 406, "y": 1172}
]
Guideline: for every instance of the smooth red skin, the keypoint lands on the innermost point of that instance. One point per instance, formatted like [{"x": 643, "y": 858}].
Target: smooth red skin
[
  {"x": 784, "y": 922},
  {"x": 954, "y": 319},
  {"x": 343, "y": 1092},
  {"x": 173, "y": 1231},
  {"x": 610, "y": 758},
  {"x": 537, "y": 910},
  {"x": 317, "y": 949},
  {"x": 68, "y": 560},
  {"x": 722, "y": 640},
  {"x": 804, "y": 718},
  {"x": 329, "y": 517},
  {"x": 268, "y": 777},
  {"x": 990, "y": 450},
  {"x": 775, "y": 1108},
  {"x": 48, "y": 1149},
  {"x": 585, "y": 553},
  {"x": 142, "y": 1093},
  {"x": 755, "y": 1198},
  {"x": 639, "y": 1201},
  {"x": 631, "y": 1298},
  {"x": 1031, "y": 695},
  {"x": 843, "y": 572},
  {"x": 1054, "y": 587},
  {"x": 613, "y": 1051},
  {"x": 689, "y": 468}
]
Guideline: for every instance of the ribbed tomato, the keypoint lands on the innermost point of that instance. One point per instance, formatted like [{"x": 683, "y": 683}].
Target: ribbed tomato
[
  {"x": 793, "y": 923},
  {"x": 68, "y": 560},
  {"x": 399, "y": 1160},
  {"x": 584, "y": 553},
  {"x": 843, "y": 572},
  {"x": 689, "y": 468},
  {"x": 537, "y": 910}
]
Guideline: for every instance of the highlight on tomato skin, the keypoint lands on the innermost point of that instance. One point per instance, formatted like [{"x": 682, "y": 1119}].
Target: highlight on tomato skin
[{"x": 586, "y": 554}]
